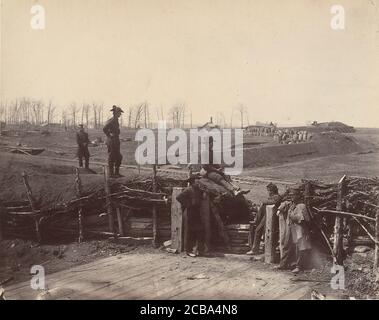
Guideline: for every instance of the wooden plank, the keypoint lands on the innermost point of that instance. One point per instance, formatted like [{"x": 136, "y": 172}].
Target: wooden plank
[
  {"x": 176, "y": 221},
  {"x": 271, "y": 235},
  {"x": 376, "y": 255},
  {"x": 113, "y": 270},
  {"x": 136, "y": 276},
  {"x": 245, "y": 227},
  {"x": 119, "y": 221},
  {"x": 108, "y": 200},
  {"x": 155, "y": 215},
  {"x": 338, "y": 225}
]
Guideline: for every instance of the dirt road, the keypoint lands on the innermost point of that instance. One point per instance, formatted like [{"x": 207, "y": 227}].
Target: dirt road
[{"x": 160, "y": 275}]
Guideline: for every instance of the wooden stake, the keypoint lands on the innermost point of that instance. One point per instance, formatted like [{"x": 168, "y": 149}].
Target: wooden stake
[
  {"x": 365, "y": 229},
  {"x": 32, "y": 205},
  {"x": 108, "y": 202},
  {"x": 119, "y": 220},
  {"x": 176, "y": 221},
  {"x": 376, "y": 256},
  {"x": 79, "y": 191},
  {"x": 1, "y": 222},
  {"x": 155, "y": 216},
  {"x": 338, "y": 225},
  {"x": 29, "y": 193}
]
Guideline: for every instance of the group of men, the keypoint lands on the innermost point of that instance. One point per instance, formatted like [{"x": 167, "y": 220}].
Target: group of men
[
  {"x": 294, "y": 219},
  {"x": 112, "y": 132},
  {"x": 294, "y": 228}
]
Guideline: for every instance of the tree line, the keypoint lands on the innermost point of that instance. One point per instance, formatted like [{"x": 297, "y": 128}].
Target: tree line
[{"x": 27, "y": 111}]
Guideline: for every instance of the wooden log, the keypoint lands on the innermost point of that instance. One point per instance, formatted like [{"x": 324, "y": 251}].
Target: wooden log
[
  {"x": 31, "y": 199},
  {"x": 376, "y": 255},
  {"x": 271, "y": 235},
  {"x": 338, "y": 225},
  {"x": 344, "y": 213},
  {"x": 108, "y": 200},
  {"x": 155, "y": 216},
  {"x": 134, "y": 238},
  {"x": 206, "y": 220},
  {"x": 365, "y": 230},
  {"x": 119, "y": 221},
  {"x": 29, "y": 192},
  {"x": 79, "y": 191},
  {"x": 176, "y": 221}
]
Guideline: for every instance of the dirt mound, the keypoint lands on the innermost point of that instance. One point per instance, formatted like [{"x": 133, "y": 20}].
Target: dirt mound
[
  {"x": 52, "y": 184},
  {"x": 328, "y": 143},
  {"x": 321, "y": 144}
]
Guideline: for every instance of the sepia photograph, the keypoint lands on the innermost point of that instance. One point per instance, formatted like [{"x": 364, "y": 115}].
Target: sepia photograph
[{"x": 189, "y": 150}]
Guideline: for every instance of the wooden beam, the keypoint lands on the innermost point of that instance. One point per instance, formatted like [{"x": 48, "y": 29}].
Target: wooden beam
[
  {"x": 155, "y": 216},
  {"x": 365, "y": 229},
  {"x": 376, "y": 255},
  {"x": 108, "y": 202},
  {"x": 29, "y": 192},
  {"x": 176, "y": 221},
  {"x": 31, "y": 199},
  {"x": 344, "y": 213},
  {"x": 120, "y": 222},
  {"x": 338, "y": 225}
]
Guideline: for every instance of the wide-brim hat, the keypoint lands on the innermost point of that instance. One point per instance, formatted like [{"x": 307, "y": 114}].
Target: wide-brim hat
[{"x": 115, "y": 109}]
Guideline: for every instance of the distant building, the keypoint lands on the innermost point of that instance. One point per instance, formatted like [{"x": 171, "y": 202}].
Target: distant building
[{"x": 209, "y": 125}]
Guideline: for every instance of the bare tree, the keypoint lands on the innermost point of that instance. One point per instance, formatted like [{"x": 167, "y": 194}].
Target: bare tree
[
  {"x": 64, "y": 119},
  {"x": 177, "y": 114},
  {"x": 138, "y": 112},
  {"x": 242, "y": 111},
  {"x": 85, "y": 113},
  {"x": 74, "y": 110},
  {"x": 130, "y": 115},
  {"x": 50, "y": 113}
]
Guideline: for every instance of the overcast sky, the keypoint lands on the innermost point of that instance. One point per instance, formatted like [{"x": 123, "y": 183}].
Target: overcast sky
[{"x": 281, "y": 59}]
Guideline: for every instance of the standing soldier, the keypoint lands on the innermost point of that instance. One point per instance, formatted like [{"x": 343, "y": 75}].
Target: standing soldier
[
  {"x": 82, "y": 141},
  {"x": 112, "y": 131}
]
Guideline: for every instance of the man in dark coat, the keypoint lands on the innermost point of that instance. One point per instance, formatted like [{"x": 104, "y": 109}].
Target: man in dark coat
[
  {"x": 112, "y": 131},
  {"x": 82, "y": 141},
  {"x": 189, "y": 199}
]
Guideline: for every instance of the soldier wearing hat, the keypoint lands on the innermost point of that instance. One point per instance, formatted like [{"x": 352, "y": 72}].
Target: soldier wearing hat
[
  {"x": 82, "y": 142},
  {"x": 297, "y": 246},
  {"x": 112, "y": 131}
]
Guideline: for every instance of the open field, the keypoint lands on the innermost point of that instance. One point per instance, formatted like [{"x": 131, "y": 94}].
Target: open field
[{"x": 58, "y": 163}]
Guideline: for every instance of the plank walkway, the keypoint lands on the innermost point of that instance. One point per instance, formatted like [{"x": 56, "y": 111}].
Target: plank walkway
[{"x": 166, "y": 276}]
